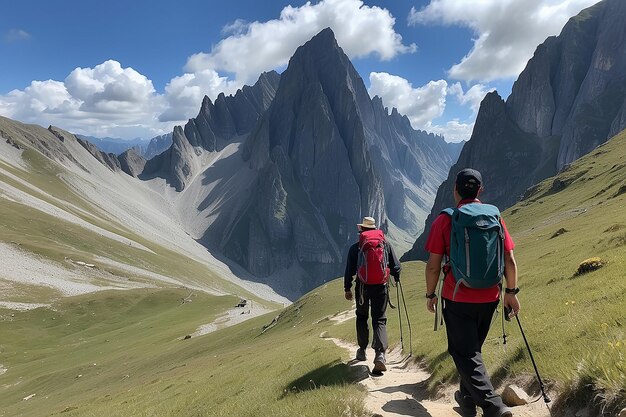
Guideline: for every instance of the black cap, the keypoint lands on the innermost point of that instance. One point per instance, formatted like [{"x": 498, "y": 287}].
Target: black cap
[{"x": 468, "y": 180}]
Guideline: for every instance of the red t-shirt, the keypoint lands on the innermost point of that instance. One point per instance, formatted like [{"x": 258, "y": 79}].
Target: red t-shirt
[{"x": 439, "y": 243}]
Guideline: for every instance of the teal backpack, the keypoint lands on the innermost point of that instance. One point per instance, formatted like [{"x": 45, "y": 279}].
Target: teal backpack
[{"x": 476, "y": 246}]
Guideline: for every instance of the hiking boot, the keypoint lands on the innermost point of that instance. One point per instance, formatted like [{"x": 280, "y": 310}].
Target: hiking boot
[
  {"x": 500, "y": 412},
  {"x": 466, "y": 404},
  {"x": 379, "y": 362},
  {"x": 506, "y": 412},
  {"x": 360, "y": 354}
]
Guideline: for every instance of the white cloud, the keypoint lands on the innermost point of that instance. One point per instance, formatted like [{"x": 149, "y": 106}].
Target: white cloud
[
  {"x": 421, "y": 105},
  {"x": 106, "y": 100},
  {"x": 15, "y": 35},
  {"x": 453, "y": 130},
  {"x": 185, "y": 93},
  {"x": 507, "y": 31},
  {"x": 472, "y": 97},
  {"x": 238, "y": 27},
  {"x": 109, "y": 98},
  {"x": 260, "y": 46}
]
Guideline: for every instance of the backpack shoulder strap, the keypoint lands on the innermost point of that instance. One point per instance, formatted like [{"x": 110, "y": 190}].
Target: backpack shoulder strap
[{"x": 449, "y": 211}]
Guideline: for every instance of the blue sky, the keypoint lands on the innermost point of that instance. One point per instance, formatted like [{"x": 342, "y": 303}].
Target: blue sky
[{"x": 135, "y": 69}]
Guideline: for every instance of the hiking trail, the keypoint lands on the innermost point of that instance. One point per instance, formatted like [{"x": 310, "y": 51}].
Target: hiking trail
[{"x": 402, "y": 389}]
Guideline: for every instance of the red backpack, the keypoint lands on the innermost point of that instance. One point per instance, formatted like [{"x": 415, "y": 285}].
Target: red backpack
[{"x": 372, "y": 262}]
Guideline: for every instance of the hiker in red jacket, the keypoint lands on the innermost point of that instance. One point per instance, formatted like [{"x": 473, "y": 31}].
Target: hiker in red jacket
[
  {"x": 468, "y": 309},
  {"x": 372, "y": 259}
]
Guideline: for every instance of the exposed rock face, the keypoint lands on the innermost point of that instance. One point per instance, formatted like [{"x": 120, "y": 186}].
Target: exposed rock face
[
  {"x": 215, "y": 126},
  {"x": 574, "y": 86},
  {"x": 157, "y": 145},
  {"x": 50, "y": 142},
  {"x": 570, "y": 98},
  {"x": 131, "y": 162},
  {"x": 509, "y": 160},
  {"x": 324, "y": 155},
  {"x": 108, "y": 159},
  {"x": 276, "y": 177}
]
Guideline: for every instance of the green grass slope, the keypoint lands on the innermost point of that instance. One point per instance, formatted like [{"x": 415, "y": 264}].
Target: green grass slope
[
  {"x": 56, "y": 239},
  {"x": 120, "y": 353},
  {"x": 575, "y": 323}
]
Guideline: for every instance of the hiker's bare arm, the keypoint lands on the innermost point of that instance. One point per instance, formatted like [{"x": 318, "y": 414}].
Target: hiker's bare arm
[
  {"x": 510, "y": 276},
  {"x": 433, "y": 266},
  {"x": 510, "y": 270}
]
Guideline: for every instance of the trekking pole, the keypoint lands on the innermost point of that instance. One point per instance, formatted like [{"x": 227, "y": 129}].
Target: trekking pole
[
  {"x": 399, "y": 316},
  {"x": 546, "y": 399},
  {"x": 407, "y": 320}
]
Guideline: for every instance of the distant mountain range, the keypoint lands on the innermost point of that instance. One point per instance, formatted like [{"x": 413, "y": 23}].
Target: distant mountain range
[
  {"x": 275, "y": 177},
  {"x": 570, "y": 98},
  {"x": 147, "y": 148}
]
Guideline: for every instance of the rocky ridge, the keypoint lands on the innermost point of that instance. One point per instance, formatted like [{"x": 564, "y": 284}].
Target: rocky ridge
[{"x": 570, "y": 98}]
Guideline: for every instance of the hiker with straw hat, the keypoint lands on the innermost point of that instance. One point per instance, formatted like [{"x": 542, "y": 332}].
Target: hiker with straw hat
[{"x": 372, "y": 260}]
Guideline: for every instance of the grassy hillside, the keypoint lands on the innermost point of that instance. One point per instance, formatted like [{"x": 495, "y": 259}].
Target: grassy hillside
[
  {"x": 121, "y": 353},
  {"x": 56, "y": 238},
  {"x": 575, "y": 322},
  {"x": 578, "y": 320}
]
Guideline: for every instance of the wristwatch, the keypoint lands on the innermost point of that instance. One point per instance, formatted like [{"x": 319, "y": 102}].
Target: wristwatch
[
  {"x": 431, "y": 296},
  {"x": 511, "y": 290}
]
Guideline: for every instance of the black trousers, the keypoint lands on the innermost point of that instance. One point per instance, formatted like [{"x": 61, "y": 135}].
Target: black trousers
[
  {"x": 467, "y": 325},
  {"x": 372, "y": 297}
]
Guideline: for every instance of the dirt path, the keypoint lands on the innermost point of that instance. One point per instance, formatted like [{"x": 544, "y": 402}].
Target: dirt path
[
  {"x": 231, "y": 317},
  {"x": 401, "y": 391}
]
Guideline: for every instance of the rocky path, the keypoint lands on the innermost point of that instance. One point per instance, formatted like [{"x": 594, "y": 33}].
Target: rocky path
[{"x": 401, "y": 390}]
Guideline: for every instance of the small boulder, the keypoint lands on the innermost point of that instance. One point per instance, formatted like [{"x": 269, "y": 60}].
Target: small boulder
[
  {"x": 559, "y": 232},
  {"x": 589, "y": 265},
  {"x": 324, "y": 335},
  {"x": 514, "y": 396},
  {"x": 622, "y": 413},
  {"x": 187, "y": 337}
]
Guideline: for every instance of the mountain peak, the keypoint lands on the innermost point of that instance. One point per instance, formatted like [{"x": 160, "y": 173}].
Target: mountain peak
[
  {"x": 321, "y": 47},
  {"x": 325, "y": 35}
]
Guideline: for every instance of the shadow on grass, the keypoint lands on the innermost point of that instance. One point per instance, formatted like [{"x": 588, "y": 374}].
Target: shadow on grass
[
  {"x": 502, "y": 373},
  {"x": 583, "y": 395},
  {"x": 331, "y": 374},
  {"x": 437, "y": 360}
]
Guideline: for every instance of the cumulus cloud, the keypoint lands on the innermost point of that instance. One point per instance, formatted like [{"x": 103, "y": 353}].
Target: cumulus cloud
[
  {"x": 471, "y": 97},
  {"x": 185, "y": 93},
  {"x": 453, "y": 131},
  {"x": 423, "y": 105},
  {"x": 507, "y": 31},
  {"x": 15, "y": 35},
  {"x": 260, "y": 46},
  {"x": 106, "y": 100},
  {"x": 110, "y": 98}
]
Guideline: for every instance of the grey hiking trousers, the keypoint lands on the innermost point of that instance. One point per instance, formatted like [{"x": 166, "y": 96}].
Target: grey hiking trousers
[{"x": 374, "y": 298}]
